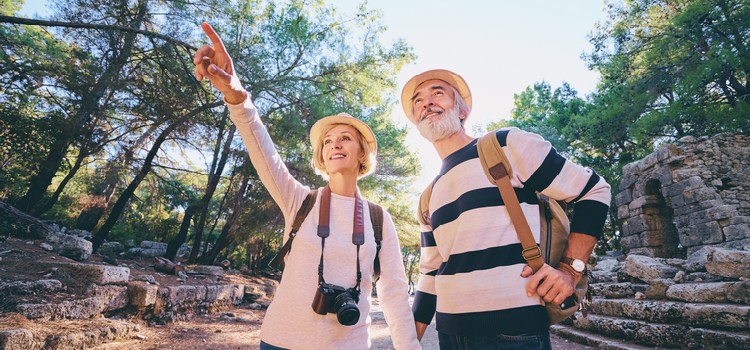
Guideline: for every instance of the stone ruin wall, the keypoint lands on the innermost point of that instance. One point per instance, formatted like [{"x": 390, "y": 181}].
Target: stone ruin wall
[{"x": 687, "y": 195}]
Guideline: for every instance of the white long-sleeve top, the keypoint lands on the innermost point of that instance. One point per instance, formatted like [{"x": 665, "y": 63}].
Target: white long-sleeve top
[{"x": 290, "y": 321}]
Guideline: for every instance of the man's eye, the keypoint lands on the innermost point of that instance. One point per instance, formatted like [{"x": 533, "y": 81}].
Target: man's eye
[{"x": 417, "y": 102}]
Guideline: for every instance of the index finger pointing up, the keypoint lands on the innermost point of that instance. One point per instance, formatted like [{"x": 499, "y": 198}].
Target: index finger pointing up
[{"x": 215, "y": 39}]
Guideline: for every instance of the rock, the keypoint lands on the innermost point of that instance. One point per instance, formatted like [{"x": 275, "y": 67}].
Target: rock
[
  {"x": 700, "y": 292},
  {"x": 17, "y": 339},
  {"x": 657, "y": 288},
  {"x": 702, "y": 277},
  {"x": 679, "y": 276},
  {"x": 739, "y": 293},
  {"x": 141, "y": 294},
  {"x": 69, "y": 246},
  {"x": 729, "y": 263},
  {"x": 81, "y": 233},
  {"x": 144, "y": 278},
  {"x": 102, "y": 274},
  {"x": 208, "y": 270},
  {"x": 30, "y": 287},
  {"x": 647, "y": 269},
  {"x": 111, "y": 249}
]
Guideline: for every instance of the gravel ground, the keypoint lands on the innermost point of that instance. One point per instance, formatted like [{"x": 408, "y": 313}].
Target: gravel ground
[{"x": 381, "y": 339}]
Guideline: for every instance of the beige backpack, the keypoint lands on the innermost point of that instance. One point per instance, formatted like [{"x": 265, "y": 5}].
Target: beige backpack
[{"x": 555, "y": 226}]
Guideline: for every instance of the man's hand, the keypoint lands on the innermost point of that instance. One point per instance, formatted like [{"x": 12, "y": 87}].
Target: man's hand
[
  {"x": 214, "y": 63},
  {"x": 554, "y": 285}
]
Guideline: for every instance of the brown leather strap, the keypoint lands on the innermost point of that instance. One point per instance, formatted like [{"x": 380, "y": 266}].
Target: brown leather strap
[
  {"x": 324, "y": 213},
  {"x": 304, "y": 209},
  {"x": 376, "y": 218},
  {"x": 324, "y": 219},
  {"x": 497, "y": 168},
  {"x": 358, "y": 231},
  {"x": 423, "y": 209}
]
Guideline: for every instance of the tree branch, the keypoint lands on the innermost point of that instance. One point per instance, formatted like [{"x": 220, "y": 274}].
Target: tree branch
[{"x": 39, "y": 22}]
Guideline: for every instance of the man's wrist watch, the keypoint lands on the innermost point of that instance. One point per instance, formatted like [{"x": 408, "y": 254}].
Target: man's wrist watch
[{"x": 576, "y": 264}]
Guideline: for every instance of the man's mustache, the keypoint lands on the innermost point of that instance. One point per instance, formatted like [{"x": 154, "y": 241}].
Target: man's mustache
[{"x": 434, "y": 109}]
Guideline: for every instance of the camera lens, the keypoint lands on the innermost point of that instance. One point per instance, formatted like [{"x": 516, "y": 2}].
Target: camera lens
[{"x": 346, "y": 309}]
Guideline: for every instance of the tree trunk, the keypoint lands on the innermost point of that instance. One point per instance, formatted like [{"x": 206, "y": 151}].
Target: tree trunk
[
  {"x": 119, "y": 206},
  {"x": 97, "y": 204},
  {"x": 213, "y": 182},
  {"x": 174, "y": 245},
  {"x": 226, "y": 237},
  {"x": 39, "y": 210},
  {"x": 207, "y": 241},
  {"x": 17, "y": 223}
]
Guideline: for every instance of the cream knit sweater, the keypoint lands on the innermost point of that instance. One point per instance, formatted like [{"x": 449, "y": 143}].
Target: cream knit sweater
[{"x": 290, "y": 321}]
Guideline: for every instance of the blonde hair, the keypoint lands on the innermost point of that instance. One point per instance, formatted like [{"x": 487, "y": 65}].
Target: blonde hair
[{"x": 367, "y": 160}]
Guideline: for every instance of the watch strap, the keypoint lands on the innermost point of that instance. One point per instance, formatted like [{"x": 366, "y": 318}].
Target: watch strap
[{"x": 569, "y": 261}]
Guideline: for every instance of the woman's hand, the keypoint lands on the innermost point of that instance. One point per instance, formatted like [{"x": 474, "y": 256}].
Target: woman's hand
[{"x": 213, "y": 62}]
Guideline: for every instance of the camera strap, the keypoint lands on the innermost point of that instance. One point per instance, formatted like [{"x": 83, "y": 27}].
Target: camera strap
[{"x": 324, "y": 229}]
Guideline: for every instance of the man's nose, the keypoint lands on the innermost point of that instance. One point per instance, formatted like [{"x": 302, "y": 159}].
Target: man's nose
[{"x": 428, "y": 102}]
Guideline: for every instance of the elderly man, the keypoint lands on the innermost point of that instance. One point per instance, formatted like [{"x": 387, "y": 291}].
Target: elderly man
[{"x": 474, "y": 279}]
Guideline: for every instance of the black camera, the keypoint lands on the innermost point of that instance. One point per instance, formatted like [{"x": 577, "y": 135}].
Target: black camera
[{"x": 331, "y": 298}]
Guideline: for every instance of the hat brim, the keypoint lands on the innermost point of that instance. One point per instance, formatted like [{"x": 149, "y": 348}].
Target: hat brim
[
  {"x": 447, "y": 76},
  {"x": 316, "y": 132}
]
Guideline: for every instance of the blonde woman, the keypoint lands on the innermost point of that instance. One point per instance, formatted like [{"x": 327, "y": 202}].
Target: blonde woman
[{"x": 324, "y": 260}]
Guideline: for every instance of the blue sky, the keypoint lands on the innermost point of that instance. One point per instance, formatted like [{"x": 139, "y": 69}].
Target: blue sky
[{"x": 499, "y": 47}]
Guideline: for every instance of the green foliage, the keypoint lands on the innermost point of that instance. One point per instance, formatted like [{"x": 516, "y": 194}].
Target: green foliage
[
  {"x": 24, "y": 141},
  {"x": 668, "y": 69},
  {"x": 10, "y": 7},
  {"x": 106, "y": 94},
  {"x": 677, "y": 67}
]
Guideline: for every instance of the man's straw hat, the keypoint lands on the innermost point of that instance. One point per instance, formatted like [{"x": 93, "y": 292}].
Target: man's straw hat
[{"x": 447, "y": 76}]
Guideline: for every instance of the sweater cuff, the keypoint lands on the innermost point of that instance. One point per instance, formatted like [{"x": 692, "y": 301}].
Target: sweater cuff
[
  {"x": 244, "y": 112},
  {"x": 589, "y": 217},
  {"x": 424, "y": 307}
]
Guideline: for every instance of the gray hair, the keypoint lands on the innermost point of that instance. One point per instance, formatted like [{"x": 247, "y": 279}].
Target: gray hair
[{"x": 460, "y": 104}]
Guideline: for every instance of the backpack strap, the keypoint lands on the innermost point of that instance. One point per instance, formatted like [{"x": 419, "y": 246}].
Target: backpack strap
[
  {"x": 423, "y": 210},
  {"x": 376, "y": 218},
  {"x": 498, "y": 171},
  {"x": 304, "y": 209}
]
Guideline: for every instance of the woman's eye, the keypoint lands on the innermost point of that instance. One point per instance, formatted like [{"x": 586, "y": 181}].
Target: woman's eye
[
  {"x": 325, "y": 142},
  {"x": 346, "y": 138}
]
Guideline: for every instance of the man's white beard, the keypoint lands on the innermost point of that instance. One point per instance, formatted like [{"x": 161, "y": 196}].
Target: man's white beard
[{"x": 440, "y": 126}]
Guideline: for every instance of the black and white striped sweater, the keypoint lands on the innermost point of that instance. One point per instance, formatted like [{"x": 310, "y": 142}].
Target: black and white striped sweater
[{"x": 471, "y": 260}]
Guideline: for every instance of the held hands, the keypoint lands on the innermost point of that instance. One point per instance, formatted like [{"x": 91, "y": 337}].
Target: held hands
[
  {"x": 554, "y": 285},
  {"x": 215, "y": 64}
]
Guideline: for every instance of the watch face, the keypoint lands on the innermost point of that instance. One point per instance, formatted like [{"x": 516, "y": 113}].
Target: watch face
[{"x": 578, "y": 265}]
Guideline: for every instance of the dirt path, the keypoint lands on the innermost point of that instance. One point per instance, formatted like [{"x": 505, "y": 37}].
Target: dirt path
[{"x": 240, "y": 329}]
